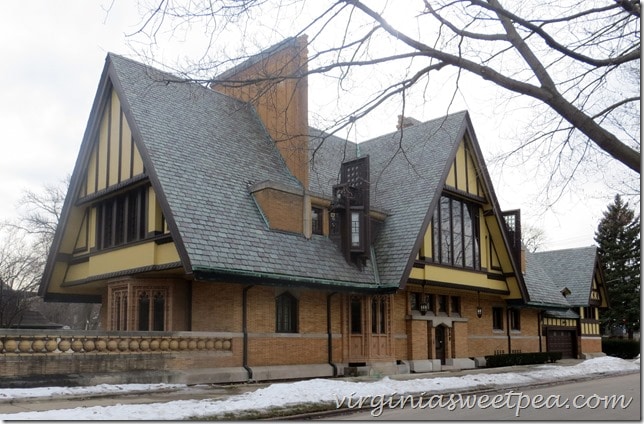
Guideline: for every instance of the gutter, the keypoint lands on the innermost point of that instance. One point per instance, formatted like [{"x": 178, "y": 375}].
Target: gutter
[{"x": 263, "y": 278}]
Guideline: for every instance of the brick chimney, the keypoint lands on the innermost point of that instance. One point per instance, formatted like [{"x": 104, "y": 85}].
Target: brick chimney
[{"x": 275, "y": 83}]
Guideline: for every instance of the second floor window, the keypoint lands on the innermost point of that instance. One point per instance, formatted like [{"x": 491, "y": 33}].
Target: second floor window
[
  {"x": 456, "y": 235},
  {"x": 122, "y": 218},
  {"x": 316, "y": 220}
]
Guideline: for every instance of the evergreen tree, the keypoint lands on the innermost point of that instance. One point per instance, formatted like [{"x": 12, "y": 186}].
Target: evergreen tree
[{"x": 618, "y": 240}]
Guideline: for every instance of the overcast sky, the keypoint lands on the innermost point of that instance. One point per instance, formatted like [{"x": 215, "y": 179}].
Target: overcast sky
[{"x": 52, "y": 56}]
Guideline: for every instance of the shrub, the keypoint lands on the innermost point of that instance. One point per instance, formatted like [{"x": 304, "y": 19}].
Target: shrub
[
  {"x": 621, "y": 348},
  {"x": 510, "y": 359}
]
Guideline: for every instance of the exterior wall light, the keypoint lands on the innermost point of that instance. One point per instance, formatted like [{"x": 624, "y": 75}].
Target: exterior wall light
[
  {"x": 479, "y": 310},
  {"x": 423, "y": 307}
]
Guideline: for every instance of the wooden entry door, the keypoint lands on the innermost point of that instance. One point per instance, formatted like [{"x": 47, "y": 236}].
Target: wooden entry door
[{"x": 439, "y": 335}]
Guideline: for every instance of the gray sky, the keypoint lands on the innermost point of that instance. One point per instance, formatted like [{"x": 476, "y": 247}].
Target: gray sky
[{"x": 52, "y": 56}]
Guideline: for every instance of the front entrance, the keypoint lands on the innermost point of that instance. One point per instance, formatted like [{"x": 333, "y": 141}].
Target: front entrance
[
  {"x": 439, "y": 332},
  {"x": 563, "y": 341}
]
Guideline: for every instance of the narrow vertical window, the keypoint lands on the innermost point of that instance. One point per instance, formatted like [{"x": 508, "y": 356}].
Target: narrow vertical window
[
  {"x": 144, "y": 312},
  {"x": 455, "y": 307},
  {"x": 355, "y": 229},
  {"x": 515, "y": 319},
  {"x": 356, "y": 315},
  {"x": 158, "y": 323},
  {"x": 316, "y": 220},
  {"x": 497, "y": 318},
  {"x": 286, "y": 313},
  {"x": 442, "y": 303}
]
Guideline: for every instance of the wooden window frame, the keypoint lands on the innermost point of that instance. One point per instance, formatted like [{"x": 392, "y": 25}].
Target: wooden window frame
[
  {"x": 317, "y": 225},
  {"x": 455, "y": 224},
  {"x": 122, "y": 219},
  {"x": 497, "y": 318},
  {"x": 286, "y": 313},
  {"x": 515, "y": 319}
]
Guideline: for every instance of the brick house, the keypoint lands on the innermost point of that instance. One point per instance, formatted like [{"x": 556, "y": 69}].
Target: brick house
[{"x": 218, "y": 210}]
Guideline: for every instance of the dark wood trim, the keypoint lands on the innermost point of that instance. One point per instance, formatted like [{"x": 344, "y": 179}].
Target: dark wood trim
[
  {"x": 432, "y": 283},
  {"x": 109, "y": 142},
  {"x": 465, "y": 195},
  {"x": 126, "y": 184},
  {"x": 428, "y": 261},
  {"x": 120, "y": 146},
  {"x": 496, "y": 277},
  {"x": 125, "y": 272}
]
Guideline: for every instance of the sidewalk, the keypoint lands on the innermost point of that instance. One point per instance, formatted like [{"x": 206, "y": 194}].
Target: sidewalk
[{"x": 223, "y": 392}]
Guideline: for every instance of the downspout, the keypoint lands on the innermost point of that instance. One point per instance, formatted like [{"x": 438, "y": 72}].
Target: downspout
[
  {"x": 330, "y": 334},
  {"x": 507, "y": 318},
  {"x": 539, "y": 324},
  {"x": 245, "y": 332}
]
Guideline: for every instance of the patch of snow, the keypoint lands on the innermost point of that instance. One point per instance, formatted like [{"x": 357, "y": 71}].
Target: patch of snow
[{"x": 300, "y": 392}]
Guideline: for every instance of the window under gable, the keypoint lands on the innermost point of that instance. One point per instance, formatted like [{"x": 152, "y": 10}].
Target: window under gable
[{"x": 456, "y": 233}]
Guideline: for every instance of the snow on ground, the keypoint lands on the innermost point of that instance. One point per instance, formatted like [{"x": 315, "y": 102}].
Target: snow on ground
[{"x": 284, "y": 394}]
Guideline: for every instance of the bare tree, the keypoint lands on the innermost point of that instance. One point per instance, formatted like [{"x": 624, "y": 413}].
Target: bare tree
[
  {"x": 533, "y": 238},
  {"x": 566, "y": 55},
  {"x": 24, "y": 246}
]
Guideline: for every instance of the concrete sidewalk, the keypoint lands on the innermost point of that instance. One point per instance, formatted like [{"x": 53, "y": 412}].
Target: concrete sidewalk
[{"x": 9, "y": 406}]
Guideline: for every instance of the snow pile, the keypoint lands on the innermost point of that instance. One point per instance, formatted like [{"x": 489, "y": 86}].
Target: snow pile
[{"x": 302, "y": 392}]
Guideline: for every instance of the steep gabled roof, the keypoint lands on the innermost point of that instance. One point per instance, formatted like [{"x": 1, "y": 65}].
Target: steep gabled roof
[
  {"x": 202, "y": 150},
  {"x": 408, "y": 172},
  {"x": 571, "y": 268}
]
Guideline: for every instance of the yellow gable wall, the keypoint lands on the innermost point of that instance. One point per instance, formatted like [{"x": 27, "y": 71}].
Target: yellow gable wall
[
  {"x": 114, "y": 165},
  {"x": 114, "y": 158},
  {"x": 463, "y": 178}
]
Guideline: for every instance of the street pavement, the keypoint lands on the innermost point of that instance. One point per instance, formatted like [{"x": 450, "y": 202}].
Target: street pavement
[{"x": 219, "y": 391}]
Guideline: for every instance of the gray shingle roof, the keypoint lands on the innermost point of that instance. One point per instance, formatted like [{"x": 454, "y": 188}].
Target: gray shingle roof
[
  {"x": 571, "y": 268},
  {"x": 542, "y": 289},
  {"x": 202, "y": 149},
  {"x": 407, "y": 169}
]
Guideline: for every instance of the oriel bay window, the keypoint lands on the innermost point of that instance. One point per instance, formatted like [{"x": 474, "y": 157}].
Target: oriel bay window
[
  {"x": 122, "y": 218},
  {"x": 136, "y": 306},
  {"x": 456, "y": 234}
]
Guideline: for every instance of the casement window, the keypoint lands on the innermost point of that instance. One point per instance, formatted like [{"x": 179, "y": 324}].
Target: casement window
[
  {"x": 122, "y": 218},
  {"x": 316, "y": 220},
  {"x": 356, "y": 315},
  {"x": 456, "y": 234},
  {"x": 455, "y": 306},
  {"x": 151, "y": 310},
  {"x": 515, "y": 319},
  {"x": 286, "y": 313},
  {"x": 497, "y": 318},
  {"x": 379, "y": 315},
  {"x": 442, "y": 303}
]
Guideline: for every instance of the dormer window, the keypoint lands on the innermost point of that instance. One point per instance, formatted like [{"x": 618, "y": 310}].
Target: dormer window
[
  {"x": 316, "y": 220},
  {"x": 355, "y": 230}
]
